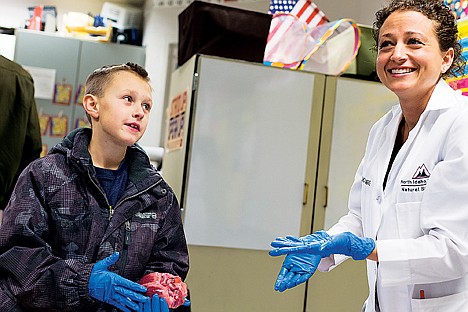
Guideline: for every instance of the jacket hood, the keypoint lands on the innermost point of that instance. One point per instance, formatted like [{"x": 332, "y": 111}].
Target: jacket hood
[{"x": 74, "y": 146}]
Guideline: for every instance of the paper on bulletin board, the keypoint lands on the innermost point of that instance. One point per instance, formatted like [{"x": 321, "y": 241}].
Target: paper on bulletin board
[
  {"x": 176, "y": 121},
  {"x": 44, "y": 81}
]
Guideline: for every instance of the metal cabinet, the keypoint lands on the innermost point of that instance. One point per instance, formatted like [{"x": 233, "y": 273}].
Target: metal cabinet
[{"x": 250, "y": 153}]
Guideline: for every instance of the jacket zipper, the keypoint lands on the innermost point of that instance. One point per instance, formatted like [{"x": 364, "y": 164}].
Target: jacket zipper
[
  {"x": 127, "y": 222},
  {"x": 125, "y": 246},
  {"x": 111, "y": 209},
  {"x": 128, "y": 228},
  {"x": 137, "y": 194}
]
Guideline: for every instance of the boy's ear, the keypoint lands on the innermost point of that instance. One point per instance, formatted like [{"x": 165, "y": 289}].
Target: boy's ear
[{"x": 90, "y": 106}]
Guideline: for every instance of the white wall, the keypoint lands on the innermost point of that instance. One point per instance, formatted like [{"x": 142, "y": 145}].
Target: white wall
[
  {"x": 161, "y": 29},
  {"x": 362, "y": 11}
]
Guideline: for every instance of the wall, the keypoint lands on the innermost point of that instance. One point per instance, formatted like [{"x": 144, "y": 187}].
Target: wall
[
  {"x": 362, "y": 11},
  {"x": 161, "y": 29}
]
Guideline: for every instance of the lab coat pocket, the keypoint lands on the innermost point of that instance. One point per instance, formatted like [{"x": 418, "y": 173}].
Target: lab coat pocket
[
  {"x": 409, "y": 219},
  {"x": 453, "y": 303}
]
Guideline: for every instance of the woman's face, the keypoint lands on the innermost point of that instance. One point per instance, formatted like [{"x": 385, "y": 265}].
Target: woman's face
[{"x": 409, "y": 60}]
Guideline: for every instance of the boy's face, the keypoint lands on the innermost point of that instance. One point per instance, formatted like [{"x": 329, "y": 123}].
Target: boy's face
[{"x": 121, "y": 114}]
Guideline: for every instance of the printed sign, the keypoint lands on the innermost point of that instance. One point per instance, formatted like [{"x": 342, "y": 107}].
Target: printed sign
[{"x": 176, "y": 122}]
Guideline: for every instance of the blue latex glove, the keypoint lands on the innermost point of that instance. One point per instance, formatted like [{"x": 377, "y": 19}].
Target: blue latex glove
[
  {"x": 154, "y": 304},
  {"x": 296, "y": 269},
  {"x": 112, "y": 288},
  {"x": 348, "y": 244},
  {"x": 281, "y": 244},
  {"x": 157, "y": 304},
  {"x": 345, "y": 243}
]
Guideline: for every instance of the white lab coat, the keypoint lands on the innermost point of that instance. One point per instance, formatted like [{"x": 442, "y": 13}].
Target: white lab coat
[{"x": 421, "y": 219}]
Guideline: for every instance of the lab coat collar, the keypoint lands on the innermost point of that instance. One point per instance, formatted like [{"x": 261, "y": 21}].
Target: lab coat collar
[{"x": 442, "y": 97}]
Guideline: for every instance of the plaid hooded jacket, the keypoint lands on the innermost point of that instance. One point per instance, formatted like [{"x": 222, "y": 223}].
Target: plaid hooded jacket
[{"x": 58, "y": 224}]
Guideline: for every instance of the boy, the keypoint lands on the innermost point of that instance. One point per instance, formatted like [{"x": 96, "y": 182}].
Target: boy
[{"x": 91, "y": 218}]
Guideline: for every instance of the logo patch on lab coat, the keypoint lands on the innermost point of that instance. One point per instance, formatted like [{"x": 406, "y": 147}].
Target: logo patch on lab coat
[
  {"x": 418, "y": 182},
  {"x": 421, "y": 172}
]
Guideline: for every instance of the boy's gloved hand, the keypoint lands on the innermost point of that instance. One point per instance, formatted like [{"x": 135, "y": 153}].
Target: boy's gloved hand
[
  {"x": 154, "y": 304},
  {"x": 112, "y": 288},
  {"x": 296, "y": 269}
]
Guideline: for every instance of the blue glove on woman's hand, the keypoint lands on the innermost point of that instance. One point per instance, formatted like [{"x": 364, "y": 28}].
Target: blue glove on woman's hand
[
  {"x": 296, "y": 269},
  {"x": 359, "y": 248},
  {"x": 112, "y": 288},
  {"x": 282, "y": 245},
  {"x": 345, "y": 243},
  {"x": 154, "y": 304}
]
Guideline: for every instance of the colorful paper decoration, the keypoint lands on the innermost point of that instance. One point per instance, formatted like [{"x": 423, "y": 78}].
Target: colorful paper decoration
[
  {"x": 45, "y": 150},
  {"x": 79, "y": 95},
  {"x": 59, "y": 125},
  {"x": 62, "y": 94},
  {"x": 458, "y": 7},
  {"x": 44, "y": 121},
  {"x": 461, "y": 81},
  {"x": 82, "y": 122}
]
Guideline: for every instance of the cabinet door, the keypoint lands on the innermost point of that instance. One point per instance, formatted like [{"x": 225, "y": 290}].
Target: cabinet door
[
  {"x": 61, "y": 54},
  {"x": 97, "y": 54},
  {"x": 176, "y": 120},
  {"x": 358, "y": 105},
  {"x": 351, "y": 107}
]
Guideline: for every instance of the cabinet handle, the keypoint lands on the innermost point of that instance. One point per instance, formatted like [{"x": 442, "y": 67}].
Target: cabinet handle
[
  {"x": 325, "y": 197},
  {"x": 305, "y": 195}
]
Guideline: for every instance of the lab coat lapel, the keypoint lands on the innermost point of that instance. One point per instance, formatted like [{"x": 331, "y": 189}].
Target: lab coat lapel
[{"x": 383, "y": 158}]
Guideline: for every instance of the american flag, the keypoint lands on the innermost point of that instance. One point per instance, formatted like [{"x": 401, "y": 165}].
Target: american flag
[
  {"x": 281, "y": 6},
  {"x": 305, "y": 10},
  {"x": 309, "y": 13}
]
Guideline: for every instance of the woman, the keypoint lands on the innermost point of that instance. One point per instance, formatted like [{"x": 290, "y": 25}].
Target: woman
[{"x": 408, "y": 208}]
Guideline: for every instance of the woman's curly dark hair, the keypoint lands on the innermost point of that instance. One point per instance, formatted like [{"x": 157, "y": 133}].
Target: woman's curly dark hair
[{"x": 445, "y": 27}]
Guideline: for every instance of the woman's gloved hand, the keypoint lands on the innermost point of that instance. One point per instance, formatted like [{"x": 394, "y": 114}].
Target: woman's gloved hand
[
  {"x": 296, "y": 269},
  {"x": 346, "y": 243},
  {"x": 282, "y": 245},
  {"x": 112, "y": 288}
]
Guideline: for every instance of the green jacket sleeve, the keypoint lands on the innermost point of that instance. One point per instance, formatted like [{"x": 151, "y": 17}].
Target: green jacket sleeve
[{"x": 19, "y": 125}]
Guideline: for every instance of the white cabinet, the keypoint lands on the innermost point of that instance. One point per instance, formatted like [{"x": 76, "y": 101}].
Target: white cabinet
[{"x": 253, "y": 160}]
